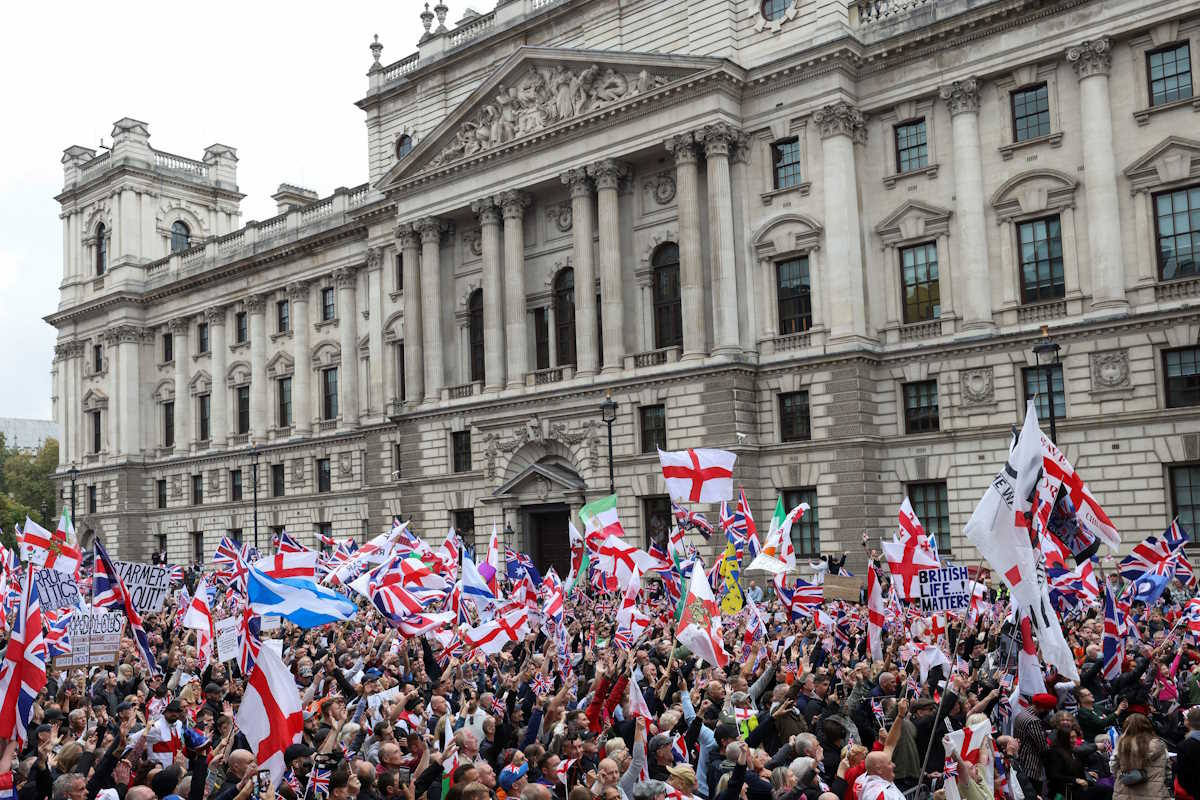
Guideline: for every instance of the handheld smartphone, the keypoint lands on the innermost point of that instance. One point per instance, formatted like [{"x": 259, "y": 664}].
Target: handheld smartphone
[
  {"x": 403, "y": 776},
  {"x": 262, "y": 781}
]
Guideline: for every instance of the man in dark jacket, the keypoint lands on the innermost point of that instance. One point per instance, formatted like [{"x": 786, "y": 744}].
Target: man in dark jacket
[{"x": 1187, "y": 763}]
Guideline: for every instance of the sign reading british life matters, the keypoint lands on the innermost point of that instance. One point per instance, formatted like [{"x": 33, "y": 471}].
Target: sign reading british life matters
[
  {"x": 148, "y": 584},
  {"x": 945, "y": 589},
  {"x": 227, "y": 638},
  {"x": 95, "y": 638},
  {"x": 57, "y": 590}
]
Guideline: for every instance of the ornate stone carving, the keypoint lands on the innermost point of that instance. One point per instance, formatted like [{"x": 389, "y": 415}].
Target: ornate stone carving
[
  {"x": 297, "y": 471},
  {"x": 661, "y": 187},
  {"x": 176, "y": 486},
  {"x": 540, "y": 98},
  {"x": 561, "y": 215},
  {"x": 487, "y": 211},
  {"x": 374, "y": 257},
  {"x": 297, "y": 291},
  {"x": 607, "y": 173},
  {"x": 578, "y": 181},
  {"x": 491, "y": 453},
  {"x": 346, "y": 464},
  {"x": 1110, "y": 369},
  {"x": 215, "y": 315},
  {"x": 430, "y": 229},
  {"x": 473, "y": 241},
  {"x": 841, "y": 119},
  {"x": 1092, "y": 57},
  {"x": 534, "y": 431},
  {"x": 128, "y": 333},
  {"x": 977, "y": 385},
  {"x": 256, "y": 303},
  {"x": 345, "y": 277},
  {"x": 683, "y": 147},
  {"x": 406, "y": 235},
  {"x": 513, "y": 203},
  {"x": 962, "y": 97},
  {"x": 721, "y": 138}
]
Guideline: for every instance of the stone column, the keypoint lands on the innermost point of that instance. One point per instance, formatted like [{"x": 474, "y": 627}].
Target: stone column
[
  {"x": 346, "y": 279},
  {"x": 128, "y": 407},
  {"x": 376, "y": 400},
  {"x": 430, "y": 230},
  {"x": 691, "y": 264},
  {"x": 608, "y": 175},
  {"x": 414, "y": 362},
  {"x": 516, "y": 337},
  {"x": 183, "y": 396},
  {"x": 962, "y": 99},
  {"x": 842, "y": 127},
  {"x": 111, "y": 417},
  {"x": 493, "y": 306},
  {"x": 62, "y": 415},
  {"x": 719, "y": 140},
  {"x": 219, "y": 408},
  {"x": 255, "y": 305},
  {"x": 1092, "y": 61},
  {"x": 301, "y": 358},
  {"x": 585, "y": 270}
]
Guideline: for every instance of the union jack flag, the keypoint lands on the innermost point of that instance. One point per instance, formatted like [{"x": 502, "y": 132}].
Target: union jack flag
[
  {"x": 231, "y": 559},
  {"x": 1154, "y": 554},
  {"x": 23, "y": 673},
  {"x": 950, "y": 770},
  {"x": 877, "y": 709},
  {"x": 541, "y": 685},
  {"x": 58, "y": 632},
  {"x": 109, "y": 592},
  {"x": 285, "y": 543},
  {"x": 175, "y": 573},
  {"x": 249, "y": 640},
  {"x": 318, "y": 782},
  {"x": 691, "y": 519}
]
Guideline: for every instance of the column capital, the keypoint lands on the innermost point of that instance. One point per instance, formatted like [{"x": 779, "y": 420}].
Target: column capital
[
  {"x": 128, "y": 333},
  {"x": 215, "y": 315},
  {"x": 513, "y": 203},
  {"x": 578, "y": 180},
  {"x": 297, "y": 291},
  {"x": 256, "y": 303},
  {"x": 345, "y": 277},
  {"x": 179, "y": 324},
  {"x": 486, "y": 209},
  {"x": 430, "y": 229},
  {"x": 1091, "y": 57},
  {"x": 374, "y": 258},
  {"x": 962, "y": 97},
  {"x": 841, "y": 119},
  {"x": 683, "y": 147},
  {"x": 720, "y": 138},
  {"x": 406, "y": 235},
  {"x": 607, "y": 173}
]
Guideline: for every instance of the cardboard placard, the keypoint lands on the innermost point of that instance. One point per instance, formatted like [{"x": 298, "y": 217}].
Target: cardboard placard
[
  {"x": 944, "y": 589},
  {"x": 56, "y": 590},
  {"x": 95, "y": 638},
  {"x": 148, "y": 584},
  {"x": 270, "y": 623},
  {"x": 227, "y": 631},
  {"x": 840, "y": 587}
]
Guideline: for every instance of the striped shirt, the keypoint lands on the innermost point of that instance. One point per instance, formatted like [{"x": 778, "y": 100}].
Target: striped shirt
[{"x": 1029, "y": 731}]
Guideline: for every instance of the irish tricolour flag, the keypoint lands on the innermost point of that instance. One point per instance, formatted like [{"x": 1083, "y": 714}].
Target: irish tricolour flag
[{"x": 601, "y": 516}]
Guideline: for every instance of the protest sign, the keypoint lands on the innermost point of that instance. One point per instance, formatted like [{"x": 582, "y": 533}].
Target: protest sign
[
  {"x": 269, "y": 623},
  {"x": 227, "y": 638},
  {"x": 57, "y": 590},
  {"x": 374, "y": 700},
  {"x": 148, "y": 584},
  {"x": 95, "y": 638},
  {"x": 944, "y": 589},
  {"x": 841, "y": 587}
]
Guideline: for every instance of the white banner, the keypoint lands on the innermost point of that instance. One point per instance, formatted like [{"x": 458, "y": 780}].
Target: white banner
[
  {"x": 95, "y": 638},
  {"x": 227, "y": 638},
  {"x": 56, "y": 590},
  {"x": 945, "y": 589}
]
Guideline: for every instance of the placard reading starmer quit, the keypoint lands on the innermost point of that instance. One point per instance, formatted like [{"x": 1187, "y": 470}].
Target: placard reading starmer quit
[{"x": 945, "y": 589}]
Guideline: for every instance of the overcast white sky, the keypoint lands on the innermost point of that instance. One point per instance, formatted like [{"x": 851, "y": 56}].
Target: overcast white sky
[{"x": 275, "y": 80}]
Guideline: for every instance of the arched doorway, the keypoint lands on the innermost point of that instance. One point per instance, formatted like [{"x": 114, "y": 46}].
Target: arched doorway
[{"x": 539, "y": 498}]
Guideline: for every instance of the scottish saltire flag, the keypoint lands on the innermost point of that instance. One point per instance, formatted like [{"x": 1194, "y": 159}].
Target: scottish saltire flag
[
  {"x": 23, "y": 673},
  {"x": 1114, "y": 638},
  {"x": 108, "y": 591},
  {"x": 299, "y": 600}
]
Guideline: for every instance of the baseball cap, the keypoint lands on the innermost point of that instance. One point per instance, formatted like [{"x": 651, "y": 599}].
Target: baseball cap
[
  {"x": 372, "y": 674},
  {"x": 511, "y": 774}
]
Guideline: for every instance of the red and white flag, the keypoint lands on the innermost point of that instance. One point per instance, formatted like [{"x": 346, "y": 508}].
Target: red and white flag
[
  {"x": 970, "y": 742},
  {"x": 491, "y": 637},
  {"x": 911, "y": 531},
  {"x": 289, "y": 565},
  {"x": 47, "y": 550},
  {"x": 699, "y": 628},
  {"x": 698, "y": 476},
  {"x": 637, "y": 703},
  {"x": 198, "y": 617},
  {"x": 270, "y": 715},
  {"x": 905, "y": 562},
  {"x": 876, "y": 616}
]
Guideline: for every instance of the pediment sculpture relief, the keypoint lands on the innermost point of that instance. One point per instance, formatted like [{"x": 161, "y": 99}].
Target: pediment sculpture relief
[{"x": 543, "y": 97}]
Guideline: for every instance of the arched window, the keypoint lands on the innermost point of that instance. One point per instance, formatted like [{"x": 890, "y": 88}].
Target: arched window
[
  {"x": 668, "y": 312},
  {"x": 564, "y": 316},
  {"x": 404, "y": 145},
  {"x": 475, "y": 333},
  {"x": 180, "y": 234},
  {"x": 101, "y": 249},
  {"x": 774, "y": 9}
]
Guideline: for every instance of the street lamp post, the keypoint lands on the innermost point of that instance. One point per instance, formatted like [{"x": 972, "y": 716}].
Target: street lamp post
[
  {"x": 74, "y": 473},
  {"x": 608, "y": 412},
  {"x": 254, "y": 478},
  {"x": 1049, "y": 348}
]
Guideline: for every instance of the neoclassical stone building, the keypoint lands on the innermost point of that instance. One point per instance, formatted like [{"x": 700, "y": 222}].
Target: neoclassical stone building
[{"x": 825, "y": 235}]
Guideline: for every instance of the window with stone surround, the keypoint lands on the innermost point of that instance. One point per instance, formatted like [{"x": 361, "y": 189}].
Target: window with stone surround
[
  {"x": 785, "y": 163},
  {"x": 1045, "y": 381},
  {"x": 397, "y": 460},
  {"x": 101, "y": 249},
  {"x": 242, "y": 394},
  {"x": 160, "y": 492},
  {"x": 91, "y": 499},
  {"x": 920, "y": 406},
  {"x": 277, "y": 481},
  {"x": 794, "y": 422},
  {"x": 775, "y": 9},
  {"x": 97, "y": 431},
  {"x": 197, "y": 490},
  {"x": 204, "y": 416},
  {"x": 324, "y": 476},
  {"x": 168, "y": 347},
  {"x": 912, "y": 146},
  {"x": 656, "y": 511},
  {"x": 919, "y": 282},
  {"x": 564, "y": 316},
  {"x": 1030, "y": 112},
  {"x": 1177, "y": 232},
  {"x": 241, "y": 330},
  {"x": 198, "y": 553},
  {"x": 1185, "y": 495},
  {"x": 202, "y": 338},
  {"x": 541, "y": 339},
  {"x": 1169, "y": 70},
  {"x": 463, "y": 520},
  {"x": 1181, "y": 375},
  {"x": 653, "y": 426},
  {"x": 931, "y": 504},
  {"x": 793, "y": 295},
  {"x": 400, "y": 271},
  {"x": 235, "y": 485},
  {"x": 460, "y": 445},
  {"x": 181, "y": 236},
  {"x": 328, "y": 304},
  {"x": 283, "y": 397},
  {"x": 806, "y": 531},
  {"x": 283, "y": 316},
  {"x": 1041, "y": 255},
  {"x": 168, "y": 423},
  {"x": 97, "y": 358},
  {"x": 329, "y": 394},
  {"x": 404, "y": 145},
  {"x": 668, "y": 307},
  {"x": 475, "y": 343}
]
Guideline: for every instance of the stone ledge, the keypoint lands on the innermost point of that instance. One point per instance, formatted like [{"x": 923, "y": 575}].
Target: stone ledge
[
  {"x": 1007, "y": 150},
  {"x": 1143, "y": 115},
  {"x": 929, "y": 172}
]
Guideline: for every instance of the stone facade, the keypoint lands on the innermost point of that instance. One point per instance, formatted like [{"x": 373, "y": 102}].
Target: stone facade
[{"x": 690, "y": 164}]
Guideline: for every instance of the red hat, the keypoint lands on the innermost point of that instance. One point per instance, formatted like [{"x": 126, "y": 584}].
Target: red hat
[{"x": 1045, "y": 701}]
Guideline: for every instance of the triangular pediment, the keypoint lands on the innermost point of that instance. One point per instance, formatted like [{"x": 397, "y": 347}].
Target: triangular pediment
[
  {"x": 1173, "y": 159},
  {"x": 913, "y": 220},
  {"x": 541, "y": 92},
  {"x": 560, "y": 478}
]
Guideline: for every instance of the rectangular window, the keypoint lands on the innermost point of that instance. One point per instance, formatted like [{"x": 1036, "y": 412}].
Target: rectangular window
[
  {"x": 161, "y": 539},
  {"x": 198, "y": 546},
  {"x": 160, "y": 492},
  {"x": 1185, "y": 495},
  {"x": 400, "y": 372},
  {"x": 197, "y": 489},
  {"x": 541, "y": 338},
  {"x": 1044, "y": 381},
  {"x": 1170, "y": 74},
  {"x": 920, "y": 284},
  {"x": 243, "y": 409},
  {"x": 785, "y": 160},
  {"x": 324, "y": 476},
  {"x": 97, "y": 430},
  {"x": 1041, "y": 256},
  {"x": 283, "y": 317},
  {"x": 1177, "y": 232},
  {"x": 654, "y": 428},
  {"x": 1031, "y": 113},
  {"x": 97, "y": 357},
  {"x": 283, "y": 389},
  {"x": 396, "y": 461},
  {"x": 1181, "y": 371},
  {"x": 202, "y": 340},
  {"x": 400, "y": 271},
  {"x": 461, "y": 444},
  {"x": 656, "y": 511},
  {"x": 794, "y": 422},
  {"x": 277, "y": 480},
  {"x": 920, "y": 407},
  {"x": 912, "y": 149},
  {"x": 91, "y": 499},
  {"x": 806, "y": 531},
  {"x": 204, "y": 407},
  {"x": 793, "y": 293},
  {"x": 328, "y": 304},
  {"x": 241, "y": 330},
  {"x": 329, "y": 393},
  {"x": 235, "y": 535},
  {"x": 463, "y": 520},
  {"x": 324, "y": 529},
  {"x": 235, "y": 485},
  {"x": 168, "y": 413},
  {"x": 168, "y": 347},
  {"x": 931, "y": 505}
]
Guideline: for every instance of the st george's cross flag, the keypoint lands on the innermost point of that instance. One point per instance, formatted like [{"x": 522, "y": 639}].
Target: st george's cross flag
[
  {"x": 702, "y": 475},
  {"x": 47, "y": 550},
  {"x": 699, "y": 627},
  {"x": 969, "y": 743},
  {"x": 270, "y": 715},
  {"x": 906, "y": 561},
  {"x": 876, "y": 615},
  {"x": 198, "y": 618},
  {"x": 289, "y": 564},
  {"x": 23, "y": 673}
]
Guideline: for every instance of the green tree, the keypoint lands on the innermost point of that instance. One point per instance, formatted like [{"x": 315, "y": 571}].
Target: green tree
[{"x": 27, "y": 488}]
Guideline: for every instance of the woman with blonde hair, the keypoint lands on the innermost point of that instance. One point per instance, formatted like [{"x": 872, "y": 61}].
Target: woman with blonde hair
[{"x": 1139, "y": 763}]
